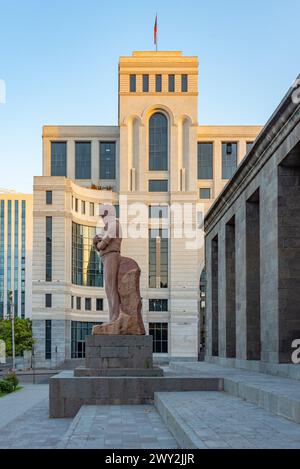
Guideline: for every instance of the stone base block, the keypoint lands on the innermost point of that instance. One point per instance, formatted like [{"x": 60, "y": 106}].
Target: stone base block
[
  {"x": 116, "y": 352},
  {"x": 79, "y": 372},
  {"x": 68, "y": 392}
]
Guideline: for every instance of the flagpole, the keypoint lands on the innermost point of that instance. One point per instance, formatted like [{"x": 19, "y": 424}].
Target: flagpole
[{"x": 156, "y": 33}]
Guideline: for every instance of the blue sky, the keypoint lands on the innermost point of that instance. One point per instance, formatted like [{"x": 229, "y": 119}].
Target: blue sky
[{"x": 59, "y": 60}]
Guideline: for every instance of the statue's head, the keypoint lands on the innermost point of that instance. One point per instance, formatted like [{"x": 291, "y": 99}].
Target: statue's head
[{"x": 107, "y": 213}]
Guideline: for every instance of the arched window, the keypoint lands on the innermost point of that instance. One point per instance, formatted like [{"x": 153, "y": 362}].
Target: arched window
[{"x": 158, "y": 142}]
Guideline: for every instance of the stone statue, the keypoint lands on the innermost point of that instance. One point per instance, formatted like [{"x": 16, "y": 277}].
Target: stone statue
[{"x": 122, "y": 280}]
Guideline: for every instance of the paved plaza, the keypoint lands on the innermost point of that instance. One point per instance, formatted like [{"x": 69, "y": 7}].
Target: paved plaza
[{"x": 177, "y": 420}]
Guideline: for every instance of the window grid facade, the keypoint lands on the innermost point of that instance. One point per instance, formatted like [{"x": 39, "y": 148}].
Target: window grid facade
[
  {"x": 159, "y": 211},
  {"x": 87, "y": 268},
  {"x": 158, "y": 258},
  {"x": 229, "y": 159},
  {"x": 205, "y": 161},
  {"x": 158, "y": 185},
  {"x": 16, "y": 259},
  {"x": 205, "y": 193},
  {"x": 145, "y": 83},
  {"x": 83, "y": 160},
  {"x": 171, "y": 83},
  {"x": 158, "y": 142},
  {"x": 159, "y": 332},
  {"x": 48, "y": 249},
  {"x": 9, "y": 250},
  {"x": 23, "y": 260},
  {"x": 48, "y": 300},
  {"x": 132, "y": 83},
  {"x": 58, "y": 159},
  {"x": 48, "y": 339},
  {"x": 108, "y": 160},
  {"x": 48, "y": 197},
  {"x": 158, "y": 305},
  {"x": 79, "y": 331},
  {"x": 184, "y": 83},
  {"x": 158, "y": 83}
]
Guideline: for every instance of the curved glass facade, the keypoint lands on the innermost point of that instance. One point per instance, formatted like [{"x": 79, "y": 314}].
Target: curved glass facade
[
  {"x": 158, "y": 142},
  {"x": 87, "y": 268}
]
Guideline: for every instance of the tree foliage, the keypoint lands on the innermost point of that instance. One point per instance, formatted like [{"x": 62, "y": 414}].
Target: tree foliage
[{"x": 23, "y": 336}]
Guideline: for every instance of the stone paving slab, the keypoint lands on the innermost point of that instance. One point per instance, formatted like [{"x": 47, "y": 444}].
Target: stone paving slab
[
  {"x": 217, "y": 420},
  {"x": 118, "y": 427},
  {"x": 16, "y": 404},
  {"x": 32, "y": 429},
  {"x": 275, "y": 394}
]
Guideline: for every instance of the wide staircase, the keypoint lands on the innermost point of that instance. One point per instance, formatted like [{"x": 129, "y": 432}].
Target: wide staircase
[{"x": 253, "y": 410}]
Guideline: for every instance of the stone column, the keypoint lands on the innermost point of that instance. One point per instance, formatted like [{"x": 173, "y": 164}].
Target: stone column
[
  {"x": 71, "y": 159},
  {"x": 221, "y": 292},
  {"x": 240, "y": 236}
]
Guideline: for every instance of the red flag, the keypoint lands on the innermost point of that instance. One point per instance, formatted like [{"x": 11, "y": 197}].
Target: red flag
[{"x": 155, "y": 31}]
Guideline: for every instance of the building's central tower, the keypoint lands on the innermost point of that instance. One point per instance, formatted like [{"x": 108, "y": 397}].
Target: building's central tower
[{"x": 158, "y": 104}]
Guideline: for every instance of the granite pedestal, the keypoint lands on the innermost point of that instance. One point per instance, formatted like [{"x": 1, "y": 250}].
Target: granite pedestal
[{"x": 119, "y": 370}]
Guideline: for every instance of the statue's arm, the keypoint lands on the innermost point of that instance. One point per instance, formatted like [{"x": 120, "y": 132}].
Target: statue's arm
[
  {"x": 96, "y": 241},
  {"x": 112, "y": 233}
]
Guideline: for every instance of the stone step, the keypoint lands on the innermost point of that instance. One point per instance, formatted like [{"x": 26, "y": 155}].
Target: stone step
[
  {"x": 68, "y": 393},
  {"x": 280, "y": 396},
  {"x": 117, "y": 427},
  {"x": 207, "y": 420}
]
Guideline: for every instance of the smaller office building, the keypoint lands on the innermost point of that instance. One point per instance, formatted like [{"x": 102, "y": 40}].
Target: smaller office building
[
  {"x": 253, "y": 251},
  {"x": 15, "y": 253}
]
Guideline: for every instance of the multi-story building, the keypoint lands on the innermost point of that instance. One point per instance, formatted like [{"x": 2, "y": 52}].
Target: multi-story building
[
  {"x": 157, "y": 156},
  {"x": 15, "y": 253}
]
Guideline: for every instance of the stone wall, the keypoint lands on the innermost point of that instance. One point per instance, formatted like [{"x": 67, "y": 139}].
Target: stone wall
[{"x": 253, "y": 303}]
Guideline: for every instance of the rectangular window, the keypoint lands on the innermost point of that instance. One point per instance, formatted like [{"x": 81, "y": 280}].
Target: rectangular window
[
  {"x": 158, "y": 185},
  {"x": 88, "y": 304},
  {"x": 78, "y": 303},
  {"x": 108, "y": 160},
  {"x": 83, "y": 160},
  {"x": 205, "y": 160},
  {"x": 48, "y": 197},
  {"x": 158, "y": 258},
  {"x": 92, "y": 209},
  {"x": 158, "y": 211},
  {"x": 184, "y": 83},
  {"x": 48, "y": 339},
  {"x": 158, "y": 83},
  {"x": 171, "y": 83},
  {"x": 48, "y": 300},
  {"x": 132, "y": 83},
  {"x": 48, "y": 249},
  {"x": 145, "y": 83},
  {"x": 99, "y": 304},
  {"x": 87, "y": 268},
  {"x": 229, "y": 159},
  {"x": 205, "y": 193},
  {"x": 83, "y": 207},
  {"x": 23, "y": 260},
  {"x": 59, "y": 159},
  {"x": 159, "y": 332},
  {"x": 158, "y": 305}
]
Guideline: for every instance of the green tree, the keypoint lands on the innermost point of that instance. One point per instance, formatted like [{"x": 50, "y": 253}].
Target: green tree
[{"x": 23, "y": 335}]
